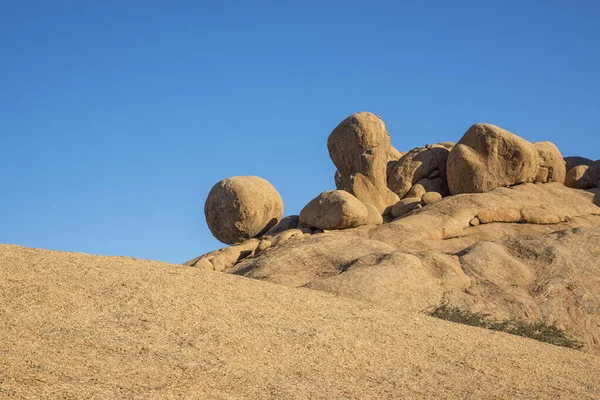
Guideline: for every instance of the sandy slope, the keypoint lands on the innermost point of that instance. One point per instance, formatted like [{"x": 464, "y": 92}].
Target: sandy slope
[{"x": 80, "y": 326}]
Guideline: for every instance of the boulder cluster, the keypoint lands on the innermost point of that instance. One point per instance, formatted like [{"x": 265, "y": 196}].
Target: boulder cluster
[{"x": 376, "y": 183}]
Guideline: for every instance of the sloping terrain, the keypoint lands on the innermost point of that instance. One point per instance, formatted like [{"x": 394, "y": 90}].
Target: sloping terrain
[
  {"x": 81, "y": 326},
  {"x": 534, "y": 256}
]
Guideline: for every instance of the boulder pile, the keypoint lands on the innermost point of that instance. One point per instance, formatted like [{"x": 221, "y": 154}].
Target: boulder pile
[
  {"x": 376, "y": 183},
  {"x": 492, "y": 224}
]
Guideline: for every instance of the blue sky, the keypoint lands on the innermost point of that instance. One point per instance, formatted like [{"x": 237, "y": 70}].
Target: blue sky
[{"x": 117, "y": 117}]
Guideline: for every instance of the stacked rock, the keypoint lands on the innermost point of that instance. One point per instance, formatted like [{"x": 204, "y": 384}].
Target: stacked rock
[{"x": 374, "y": 180}]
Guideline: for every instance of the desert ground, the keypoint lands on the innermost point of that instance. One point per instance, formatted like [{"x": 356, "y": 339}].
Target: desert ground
[{"x": 81, "y": 326}]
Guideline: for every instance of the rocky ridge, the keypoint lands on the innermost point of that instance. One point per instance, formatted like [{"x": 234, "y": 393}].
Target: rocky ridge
[{"x": 493, "y": 224}]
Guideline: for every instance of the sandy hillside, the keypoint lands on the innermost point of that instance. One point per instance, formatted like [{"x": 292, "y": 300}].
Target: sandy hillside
[{"x": 80, "y": 326}]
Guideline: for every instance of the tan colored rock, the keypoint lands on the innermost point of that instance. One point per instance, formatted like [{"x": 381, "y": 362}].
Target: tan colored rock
[
  {"x": 360, "y": 149},
  {"x": 487, "y": 157},
  {"x": 447, "y": 145},
  {"x": 405, "y": 206},
  {"x": 333, "y": 210},
  {"x": 297, "y": 262},
  {"x": 242, "y": 207},
  {"x": 430, "y": 198},
  {"x": 552, "y": 166},
  {"x": 436, "y": 184},
  {"x": 289, "y": 222},
  {"x": 575, "y": 161},
  {"x": 284, "y": 236},
  {"x": 536, "y": 215},
  {"x": 226, "y": 257},
  {"x": 393, "y": 157},
  {"x": 263, "y": 245},
  {"x": 338, "y": 180},
  {"x": 542, "y": 175},
  {"x": 417, "y": 190},
  {"x": 374, "y": 217},
  {"x": 582, "y": 177},
  {"x": 499, "y": 215},
  {"x": 418, "y": 164},
  {"x": 537, "y": 270}
]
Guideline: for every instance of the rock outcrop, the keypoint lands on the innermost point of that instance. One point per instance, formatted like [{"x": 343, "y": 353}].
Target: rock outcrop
[
  {"x": 242, "y": 207},
  {"x": 552, "y": 166},
  {"x": 360, "y": 149},
  {"x": 417, "y": 166},
  {"x": 405, "y": 206},
  {"x": 336, "y": 209},
  {"x": 515, "y": 240},
  {"x": 582, "y": 177},
  {"x": 487, "y": 157},
  {"x": 515, "y": 254}
]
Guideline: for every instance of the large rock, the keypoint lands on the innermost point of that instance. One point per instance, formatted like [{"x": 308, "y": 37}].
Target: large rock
[
  {"x": 582, "y": 177},
  {"x": 374, "y": 217},
  {"x": 575, "y": 161},
  {"x": 530, "y": 258},
  {"x": 360, "y": 149},
  {"x": 289, "y": 222},
  {"x": 242, "y": 207},
  {"x": 393, "y": 156},
  {"x": 336, "y": 209},
  {"x": 405, "y": 206},
  {"x": 552, "y": 165},
  {"x": 418, "y": 164},
  {"x": 487, "y": 157}
]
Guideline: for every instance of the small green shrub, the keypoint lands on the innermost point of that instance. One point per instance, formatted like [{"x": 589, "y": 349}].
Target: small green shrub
[{"x": 538, "y": 331}]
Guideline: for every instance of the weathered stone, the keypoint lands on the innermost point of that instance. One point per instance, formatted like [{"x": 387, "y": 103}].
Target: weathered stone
[
  {"x": 289, "y": 222},
  {"x": 575, "y": 161},
  {"x": 552, "y": 165},
  {"x": 418, "y": 164},
  {"x": 405, "y": 206},
  {"x": 242, "y": 207},
  {"x": 582, "y": 177},
  {"x": 416, "y": 191},
  {"x": 226, "y": 257},
  {"x": 430, "y": 198},
  {"x": 360, "y": 149},
  {"x": 336, "y": 209},
  {"x": 374, "y": 217},
  {"x": 501, "y": 215},
  {"x": 487, "y": 157}
]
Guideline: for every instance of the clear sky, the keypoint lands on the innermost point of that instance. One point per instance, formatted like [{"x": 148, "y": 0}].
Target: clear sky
[{"x": 117, "y": 117}]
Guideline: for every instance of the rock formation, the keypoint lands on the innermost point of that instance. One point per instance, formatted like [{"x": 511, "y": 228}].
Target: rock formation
[
  {"x": 487, "y": 157},
  {"x": 552, "y": 166},
  {"x": 336, "y": 209},
  {"x": 500, "y": 245},
  {"x": 582, "y": 177},
  {"x": 360, "y": 149},
  {"x": 425, "y": 166},
  {"x": 242, "y": 207}
]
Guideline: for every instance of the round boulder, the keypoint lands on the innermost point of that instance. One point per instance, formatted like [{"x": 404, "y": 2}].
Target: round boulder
[
  {"x": 582, "y": 177},
  {"x": 430, "y": 198},
  {"x": 242, "y": 207},
  {"x": 487, "y": 157},
  {"x": 336, "y": 209}
]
